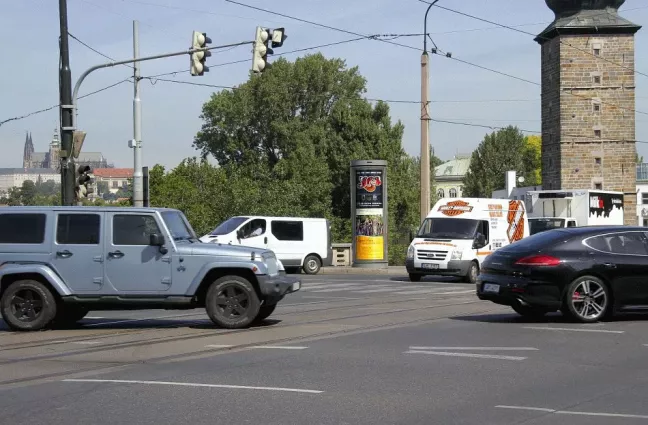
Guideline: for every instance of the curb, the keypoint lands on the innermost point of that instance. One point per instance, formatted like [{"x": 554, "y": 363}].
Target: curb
[{"x": 364, "y": 271}]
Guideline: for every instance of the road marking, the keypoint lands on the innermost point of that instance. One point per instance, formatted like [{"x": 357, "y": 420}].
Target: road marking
[
  {"x": 187, "y": 384},
  {"x": 279, "y": 347},
  {"x": 477, "y": 356},
  {"x": 94, "y": 317},
  {"x": 335, "y": 288},
  {"x": 86, "y": 342},
  {"x": 143, "y": 319},
  {"x": 218, "y": 346},
  {"x": 372, "y": 291},
  {"x": 477, "y": 348},
  {"x": 547, "y": 328},
  {"x": 568, "y": 412}
]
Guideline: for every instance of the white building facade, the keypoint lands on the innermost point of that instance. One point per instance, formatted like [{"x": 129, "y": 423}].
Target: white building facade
[{"x": 15, "y": 177}]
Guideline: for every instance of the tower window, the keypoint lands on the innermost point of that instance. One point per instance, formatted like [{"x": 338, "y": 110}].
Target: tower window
[
  {"x": 597, "y": 161},
  {"x": 597, "y": 79},
  {"x": 598, "y": 186},
  {"x": 597, "y": 133},
  {"x": 596, "y": 107},
  {"x": 597, "y": 52}
]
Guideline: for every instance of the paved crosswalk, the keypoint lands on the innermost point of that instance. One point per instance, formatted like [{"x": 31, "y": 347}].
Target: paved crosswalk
[{"x": 386, "y": 287}]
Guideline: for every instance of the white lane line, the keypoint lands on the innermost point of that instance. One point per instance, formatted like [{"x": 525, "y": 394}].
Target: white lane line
[
  {"x": 86, "y": 342},
  {"x": 175, "y": 316},
  {"x": 187, "y": 384},
  {"x": 218, "y": 346},
  {"x": 568, "y": 412},
  {"x": 375, "y": 291},
  {"x": 547, "y": 328},
  {"x": 435, "y": 292},
  {"x": 476, "y": 356},
  {"x": 279, "y": 347},
  {"x": 477, "y": 348},
  {"x": 93, "y": 317},
  {"x": 335, "y": 288}
]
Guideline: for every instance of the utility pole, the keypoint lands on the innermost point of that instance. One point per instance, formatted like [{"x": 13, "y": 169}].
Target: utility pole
[
  {"x": 66, "y": 110},
  {"x": 138, "y": 189},
  {"x": 425, "y": 122}
]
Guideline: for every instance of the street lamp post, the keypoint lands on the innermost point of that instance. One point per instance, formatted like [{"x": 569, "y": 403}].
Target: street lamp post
[{"x": 425, "y": 122}]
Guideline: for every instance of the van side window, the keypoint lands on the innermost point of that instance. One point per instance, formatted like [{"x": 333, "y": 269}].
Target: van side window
[
  {"x": 254, "y": 228},
  {"x": 571, "y": 223},
  {"x": 133, "y": 229},
  {"x": 22, "y": 228},
  {"x": 288, "y": 230},
  {"x": 483, "y": 228},
  {"x": 78, "y": 229}
]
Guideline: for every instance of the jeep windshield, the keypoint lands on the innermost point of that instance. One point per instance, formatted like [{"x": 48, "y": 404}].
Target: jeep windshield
[
  {"x": 228, "y": 226},
  {"x": 178, "y": 226},
  {"x": 448, "y": 228}
]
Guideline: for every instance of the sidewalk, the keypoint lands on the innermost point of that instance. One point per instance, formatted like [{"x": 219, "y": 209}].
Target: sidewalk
[{"x": 392, "y": 270}]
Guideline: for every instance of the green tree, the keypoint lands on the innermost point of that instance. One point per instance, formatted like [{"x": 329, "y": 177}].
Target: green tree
[
  {"x": 501, "y": 151},
  {"x": 28, "y": 193}
]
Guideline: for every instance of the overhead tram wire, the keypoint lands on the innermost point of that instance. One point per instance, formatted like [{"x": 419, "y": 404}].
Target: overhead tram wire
[{"x": 512, "y": 28}]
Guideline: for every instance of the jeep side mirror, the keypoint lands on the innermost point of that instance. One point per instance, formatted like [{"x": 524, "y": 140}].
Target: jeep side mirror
[{"x": 158, "y": 240}]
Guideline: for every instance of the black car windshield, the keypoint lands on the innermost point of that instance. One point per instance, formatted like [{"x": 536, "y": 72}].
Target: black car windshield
[
  {"x": 448, "y": 228},
  {"x": 228, "y": 226},
  {"x": 179, "y": 228},
  {"x": 537, "y": 225}
]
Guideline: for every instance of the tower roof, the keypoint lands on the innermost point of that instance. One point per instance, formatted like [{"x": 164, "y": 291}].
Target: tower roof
[{"x": 581, "y": 17}]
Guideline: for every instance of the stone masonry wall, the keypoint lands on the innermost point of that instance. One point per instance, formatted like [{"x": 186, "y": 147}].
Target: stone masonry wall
[{"x": 596, "y": 124}]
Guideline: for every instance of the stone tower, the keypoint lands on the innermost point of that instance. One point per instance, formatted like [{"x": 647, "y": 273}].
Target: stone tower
[
  {"x": 54, "y": 150},
  {"x": 588, "y": 99},
  {"x": 28, "y": 150}
]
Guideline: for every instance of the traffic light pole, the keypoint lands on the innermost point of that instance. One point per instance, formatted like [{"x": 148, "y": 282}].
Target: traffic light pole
[
  {"x": 138, "y": 188},
  {"x": 66, "y": 110},
  {"x": 75, "y": 92}
]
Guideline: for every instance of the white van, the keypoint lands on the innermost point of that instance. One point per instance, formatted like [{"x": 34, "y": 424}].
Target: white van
[
  {"x": 298, "y": 242},
  {"x": 460, "y": 232}
]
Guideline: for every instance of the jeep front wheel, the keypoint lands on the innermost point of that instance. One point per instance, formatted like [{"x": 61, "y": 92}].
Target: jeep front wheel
[
  {"x": 28, "y": 305},
  {"x": 232, "y": 302},
  {"x": 264, "y": 312}
]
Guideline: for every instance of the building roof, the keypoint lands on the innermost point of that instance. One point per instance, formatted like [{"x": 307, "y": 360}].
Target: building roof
[
  {"x": 113, "y": 173},
  {"x": 453, "y": 169}
]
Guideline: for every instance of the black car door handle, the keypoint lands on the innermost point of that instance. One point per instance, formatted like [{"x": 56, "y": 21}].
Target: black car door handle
[
  {"x": 609, "y": 265},
  {"x": 116, "y": 254},
  {"x": 64, "y": 254}
]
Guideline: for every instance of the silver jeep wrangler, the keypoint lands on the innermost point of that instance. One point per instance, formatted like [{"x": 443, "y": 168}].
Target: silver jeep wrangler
[{"x": 58, "y": 263}]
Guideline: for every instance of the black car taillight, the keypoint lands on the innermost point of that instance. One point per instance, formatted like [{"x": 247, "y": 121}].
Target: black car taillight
[{"x": 538, "y": 260}]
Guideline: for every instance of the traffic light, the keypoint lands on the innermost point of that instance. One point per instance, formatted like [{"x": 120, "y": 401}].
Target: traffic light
[
  {"x": 199, "y": 40},
  {"x": 84, "y": 182},
  {"x": 261, "y": 49}
]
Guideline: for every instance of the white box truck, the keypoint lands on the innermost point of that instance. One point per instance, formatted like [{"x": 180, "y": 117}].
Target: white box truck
[
  {"x": 297, "y": 242},
  {"x": 553, "y": 209},
  {"x": 459, "y": 233}
]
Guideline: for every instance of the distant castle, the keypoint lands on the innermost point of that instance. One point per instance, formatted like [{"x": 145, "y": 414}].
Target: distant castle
[{"x": 50, "y": 160}]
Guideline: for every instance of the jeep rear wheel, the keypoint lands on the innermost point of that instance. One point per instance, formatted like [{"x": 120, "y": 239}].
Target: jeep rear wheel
[
  {"x": 28, "y": 305},
  {"x": 232, "y": 302}
]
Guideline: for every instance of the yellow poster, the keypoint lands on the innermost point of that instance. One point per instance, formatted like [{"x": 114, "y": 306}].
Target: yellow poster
[{"x": 370, "y": 248}]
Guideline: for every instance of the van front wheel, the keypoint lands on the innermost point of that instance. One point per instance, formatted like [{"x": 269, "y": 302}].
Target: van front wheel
[
  {"x": 473, "y": 272},
  {"x": 312, "y": 265}
]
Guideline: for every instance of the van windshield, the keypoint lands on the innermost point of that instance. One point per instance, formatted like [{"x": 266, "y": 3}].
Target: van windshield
[
  {"x": 228, "y": 226},
  {"x": 537, "y": 225},
  {"x": 448, "y": 228}
]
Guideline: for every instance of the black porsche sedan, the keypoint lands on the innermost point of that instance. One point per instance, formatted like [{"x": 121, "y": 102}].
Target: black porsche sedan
[{"x": 586, "y": 272}]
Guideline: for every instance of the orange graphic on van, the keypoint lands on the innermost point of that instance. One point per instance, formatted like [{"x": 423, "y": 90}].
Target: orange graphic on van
[
  {"x": 455, "y": 208},
  {"x": 515, "y": 219}
]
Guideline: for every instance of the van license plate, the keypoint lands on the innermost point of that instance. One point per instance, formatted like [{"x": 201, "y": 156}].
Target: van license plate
[
  {"x": 491, "y": 287},
  {"x": 430, "y": 266}
]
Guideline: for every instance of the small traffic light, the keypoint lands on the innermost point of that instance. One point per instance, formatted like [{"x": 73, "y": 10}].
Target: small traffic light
[
  {"x": 278, "y": 37},
  {"x": 84, "y": 182},
  {"x": 199, "y": 40},
  {"x": 261, "y": 51}
]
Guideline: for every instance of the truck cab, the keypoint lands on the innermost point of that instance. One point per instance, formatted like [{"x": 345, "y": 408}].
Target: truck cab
[
  {"x": 542, "y": 224},
  {"x": 459, "y": 233}
]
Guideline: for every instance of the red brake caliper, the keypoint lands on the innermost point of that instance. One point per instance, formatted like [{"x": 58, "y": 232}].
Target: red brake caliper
[{"x": 576, "y": 296}]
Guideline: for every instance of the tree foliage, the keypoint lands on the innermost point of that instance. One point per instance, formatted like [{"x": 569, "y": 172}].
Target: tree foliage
[{"x": 501, "y": 151}]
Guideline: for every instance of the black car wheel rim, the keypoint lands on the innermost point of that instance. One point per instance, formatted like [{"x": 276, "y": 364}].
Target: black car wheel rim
[
  {"x": 233, "y": 302},
  {"x": 26, "y": 305},
  {"x": 589, "y": 299}
]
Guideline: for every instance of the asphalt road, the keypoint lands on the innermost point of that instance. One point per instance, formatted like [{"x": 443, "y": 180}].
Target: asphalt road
[{"x": 344, "y": 350}]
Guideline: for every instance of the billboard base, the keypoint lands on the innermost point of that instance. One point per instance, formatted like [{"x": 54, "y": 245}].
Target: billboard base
[{"x": 384, "y": 265}]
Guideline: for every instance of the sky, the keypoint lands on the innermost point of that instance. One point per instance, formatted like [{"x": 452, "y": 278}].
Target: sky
[{"x": 29, "y": 31}]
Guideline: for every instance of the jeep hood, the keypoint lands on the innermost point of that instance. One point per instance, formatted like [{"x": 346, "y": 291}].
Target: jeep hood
[{"x": 220, "y": 250}]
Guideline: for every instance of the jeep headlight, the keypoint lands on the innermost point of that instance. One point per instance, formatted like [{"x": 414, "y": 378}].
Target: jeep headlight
[
  {"x": 456, "y": 255},
  {"x": 410, "y": 252}
]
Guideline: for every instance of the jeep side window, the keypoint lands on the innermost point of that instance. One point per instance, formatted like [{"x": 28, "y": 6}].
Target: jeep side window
[
  {"x": 22, "y": 228},
  {"x": 78, "y": 229},
  {"x": 133, "y": 229}
]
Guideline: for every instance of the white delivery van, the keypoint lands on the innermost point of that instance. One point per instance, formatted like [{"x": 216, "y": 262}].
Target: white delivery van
[
  {"x": 298, "y": 242},
  {"x": 553, "y": 209},
  {"x": 460, "y": 232}
]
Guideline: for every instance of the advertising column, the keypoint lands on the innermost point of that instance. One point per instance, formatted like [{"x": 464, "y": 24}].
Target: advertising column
[{"x": 369, "y": 213}]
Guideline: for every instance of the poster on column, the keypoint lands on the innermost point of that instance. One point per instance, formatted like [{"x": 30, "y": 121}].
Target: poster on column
[{"x": 369, "y": 221}]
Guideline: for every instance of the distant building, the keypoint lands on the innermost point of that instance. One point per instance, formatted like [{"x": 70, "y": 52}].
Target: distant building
[
  {"x": 110, "y": 180},
  {"x": 15, "y": 177},
  {"x": 449, "y": 177},
  {"x": 50, "y": 159}
]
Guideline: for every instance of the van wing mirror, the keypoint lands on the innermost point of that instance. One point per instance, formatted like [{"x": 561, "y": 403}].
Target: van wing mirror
[{"x": 239, "y": 234}]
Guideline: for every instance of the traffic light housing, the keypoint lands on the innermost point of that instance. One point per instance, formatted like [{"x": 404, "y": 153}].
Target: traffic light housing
[
  {"x": 199, "y": 40},
  {"x": 263, "y": 39},
  {"x": 84, "y": 182}
]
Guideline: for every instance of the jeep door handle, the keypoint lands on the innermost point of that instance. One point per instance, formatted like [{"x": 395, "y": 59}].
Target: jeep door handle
[
  {"x": 64, "y": 254},
  {"x": 116, "y": 254}
]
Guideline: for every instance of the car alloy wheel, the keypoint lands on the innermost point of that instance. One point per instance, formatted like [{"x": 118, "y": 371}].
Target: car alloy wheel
[
  {"x": 588, "y": 299},
  {"x": 26, "y": 305}
]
